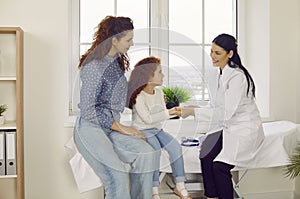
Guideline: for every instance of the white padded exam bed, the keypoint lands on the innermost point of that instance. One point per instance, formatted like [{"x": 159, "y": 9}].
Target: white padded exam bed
[{"x": 281, "y": 138}]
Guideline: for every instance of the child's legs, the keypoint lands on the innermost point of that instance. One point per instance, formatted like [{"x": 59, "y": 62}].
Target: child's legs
[
  {"x": 152, "y": 140},
  {"x": 172, "y": 146}
]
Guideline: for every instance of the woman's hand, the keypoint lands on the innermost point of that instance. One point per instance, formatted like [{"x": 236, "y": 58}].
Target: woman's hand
[
  {"x": 127, "y": 130},
  {"x": 133, "y": 132}
]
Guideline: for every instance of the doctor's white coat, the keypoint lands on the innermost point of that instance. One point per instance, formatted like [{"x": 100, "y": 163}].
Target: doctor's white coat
[{"x": 232, "y": 110}]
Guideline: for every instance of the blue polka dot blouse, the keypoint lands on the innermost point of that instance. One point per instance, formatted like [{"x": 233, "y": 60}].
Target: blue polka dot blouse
[{"x": 103, "y": 91}]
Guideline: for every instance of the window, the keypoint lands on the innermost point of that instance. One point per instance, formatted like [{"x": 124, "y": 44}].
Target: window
[{"x": 178, "y": 32}]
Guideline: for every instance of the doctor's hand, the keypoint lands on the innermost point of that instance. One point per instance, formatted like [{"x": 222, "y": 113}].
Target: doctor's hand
[{"x": 187, "y": 111}]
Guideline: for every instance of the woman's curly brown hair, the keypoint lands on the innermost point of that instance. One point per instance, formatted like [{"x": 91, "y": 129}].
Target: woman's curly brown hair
[
  {"x": 108, "y": 28},
  {"x": 139, "y": 78}
]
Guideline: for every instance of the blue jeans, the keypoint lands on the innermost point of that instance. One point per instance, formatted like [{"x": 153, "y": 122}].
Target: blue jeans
[
  {"x": 159, "y": 139},
  {"x": 105, "y": 151}
]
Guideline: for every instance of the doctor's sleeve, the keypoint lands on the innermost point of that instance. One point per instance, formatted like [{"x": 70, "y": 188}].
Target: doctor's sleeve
[{"x": 204, "y": 114}]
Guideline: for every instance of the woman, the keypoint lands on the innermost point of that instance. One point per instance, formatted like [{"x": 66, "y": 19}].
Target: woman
[
  {"x": 238, "y": 133},
  {"x": 98, "y": 134},
  {"x": 148, "y": 113}
]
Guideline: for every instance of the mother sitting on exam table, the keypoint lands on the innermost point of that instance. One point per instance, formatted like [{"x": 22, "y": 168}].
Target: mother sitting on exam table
[
  {"x": 237, "y": 131},
  {"x": 99, "y": 137}
]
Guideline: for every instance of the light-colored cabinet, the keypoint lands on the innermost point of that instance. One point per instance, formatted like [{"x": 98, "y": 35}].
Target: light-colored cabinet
[{"x": 11, "y": 94}]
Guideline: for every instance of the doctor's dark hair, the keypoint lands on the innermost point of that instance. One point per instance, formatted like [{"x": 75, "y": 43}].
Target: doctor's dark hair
[
  {"x": 107, "y": 29},
  {"x": 228, "y": 43},
  {"x": 139, "y": 78}
]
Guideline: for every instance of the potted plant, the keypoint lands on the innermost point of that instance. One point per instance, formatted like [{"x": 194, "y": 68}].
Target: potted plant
[
  {"x": 293, "y": 168},
  {"x": 3, "y": 108},
  {"x": 175, "y": 95}
]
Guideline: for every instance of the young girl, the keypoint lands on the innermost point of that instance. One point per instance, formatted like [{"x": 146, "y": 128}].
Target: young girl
[{"x": 148, "y": 113}]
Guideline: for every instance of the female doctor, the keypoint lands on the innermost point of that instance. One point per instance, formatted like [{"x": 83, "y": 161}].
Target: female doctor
[{"x": 233, "y": 113}]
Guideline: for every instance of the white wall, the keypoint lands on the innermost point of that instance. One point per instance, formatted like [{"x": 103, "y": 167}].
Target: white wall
[
  {"x": 254, "y": 42},
  {"x": 47, "y": 173},
  {"x": 298, "y": 69},
  {"x": 270, "y": 49},
  {"x": 284, "y": 61}
]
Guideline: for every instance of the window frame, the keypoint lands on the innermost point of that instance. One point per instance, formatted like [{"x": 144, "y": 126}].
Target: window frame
[{"x": 156, "y": 19}]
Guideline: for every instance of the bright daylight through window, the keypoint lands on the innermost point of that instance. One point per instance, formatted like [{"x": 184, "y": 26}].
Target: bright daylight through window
[{"x": 178, "y": 32}]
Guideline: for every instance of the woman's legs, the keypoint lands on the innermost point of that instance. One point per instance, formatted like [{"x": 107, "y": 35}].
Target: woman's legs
[
  {"x": 97, "y": 150},
  {"x": 222, "y": 176},
  {"x": 216, "y": 175},
  {"x": 140, "y": 156}
]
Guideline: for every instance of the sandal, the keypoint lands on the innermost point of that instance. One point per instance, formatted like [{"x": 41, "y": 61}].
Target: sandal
[
  {"x": 155, "y": 196},
  {"x": 178, "y": 193}
]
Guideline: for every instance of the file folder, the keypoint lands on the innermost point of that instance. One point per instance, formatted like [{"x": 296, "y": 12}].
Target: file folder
[
  {"x": 10, "y": 139},
  {"x": 2, "y": 153}
]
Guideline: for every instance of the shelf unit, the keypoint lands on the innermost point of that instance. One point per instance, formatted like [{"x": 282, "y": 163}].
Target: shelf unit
[{"x": 11, "y": 93}]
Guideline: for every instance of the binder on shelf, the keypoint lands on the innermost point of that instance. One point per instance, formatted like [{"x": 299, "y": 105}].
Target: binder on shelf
[
  {"x": 2, "y": 153},
  {"x": 10, "y": 139}
]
